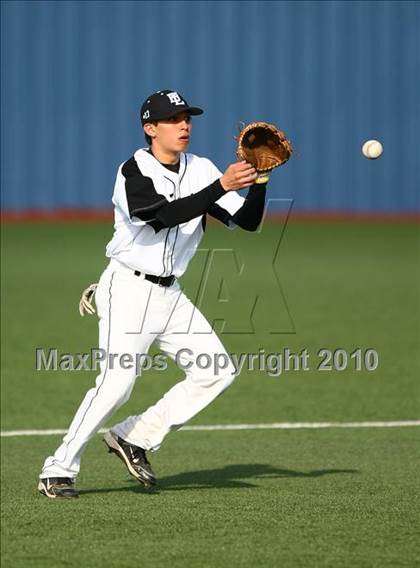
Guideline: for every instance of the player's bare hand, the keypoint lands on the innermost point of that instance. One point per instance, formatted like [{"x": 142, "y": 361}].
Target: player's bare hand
[
  {"x": 85, "y": 304},
  {"x": 238, "y": 175}
]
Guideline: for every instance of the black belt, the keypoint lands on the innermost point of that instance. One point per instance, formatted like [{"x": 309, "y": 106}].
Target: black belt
[{"x": 161, "y": 280}]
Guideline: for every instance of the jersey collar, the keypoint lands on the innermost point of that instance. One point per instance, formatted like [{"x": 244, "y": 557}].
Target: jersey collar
[{"x": 175, "y": 176}]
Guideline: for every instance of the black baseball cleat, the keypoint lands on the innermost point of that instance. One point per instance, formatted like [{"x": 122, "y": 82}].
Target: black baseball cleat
[
  {"x": 57, "y": 487},
  {"x": 134, "y": 458}
]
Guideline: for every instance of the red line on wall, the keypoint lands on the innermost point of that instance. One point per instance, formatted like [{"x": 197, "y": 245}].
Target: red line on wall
[{"x": 106, "y": 215}]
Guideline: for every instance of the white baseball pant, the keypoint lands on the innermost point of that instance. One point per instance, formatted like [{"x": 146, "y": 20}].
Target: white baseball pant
[{"x": 133, "y": 313}]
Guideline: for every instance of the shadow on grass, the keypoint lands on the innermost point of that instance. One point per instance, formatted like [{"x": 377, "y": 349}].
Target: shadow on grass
[{"x": 230, "y": 476}]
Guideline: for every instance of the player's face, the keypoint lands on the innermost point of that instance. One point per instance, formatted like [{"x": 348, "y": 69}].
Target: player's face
[{"x": 173, "y": 134}]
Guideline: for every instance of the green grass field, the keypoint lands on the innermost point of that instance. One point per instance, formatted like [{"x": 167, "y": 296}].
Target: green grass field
[{"x": 327, "y": 497}]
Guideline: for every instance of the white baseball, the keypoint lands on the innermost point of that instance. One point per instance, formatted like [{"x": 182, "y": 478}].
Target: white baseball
[{"x": 372, "y": 149}]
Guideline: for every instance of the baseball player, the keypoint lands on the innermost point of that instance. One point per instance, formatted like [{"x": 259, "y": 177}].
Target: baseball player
[{"x": 162, "y": 196}]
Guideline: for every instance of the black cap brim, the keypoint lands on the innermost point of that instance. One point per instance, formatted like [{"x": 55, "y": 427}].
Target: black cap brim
[{"x": 194, "y": 111}]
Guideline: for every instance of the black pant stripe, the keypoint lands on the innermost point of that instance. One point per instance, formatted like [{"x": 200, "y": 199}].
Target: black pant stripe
[{"x": 102, "y": 382}]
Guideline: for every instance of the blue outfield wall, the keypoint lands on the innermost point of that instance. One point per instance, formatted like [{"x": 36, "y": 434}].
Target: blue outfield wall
[{"x": 331, "y": 74}]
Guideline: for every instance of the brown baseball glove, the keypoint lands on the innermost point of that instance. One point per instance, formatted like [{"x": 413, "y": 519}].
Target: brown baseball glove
[{"x": 264, "y": 146}]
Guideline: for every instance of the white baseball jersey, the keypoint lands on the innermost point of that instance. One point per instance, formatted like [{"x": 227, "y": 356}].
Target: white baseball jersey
[{"x": 139, "y": 245}]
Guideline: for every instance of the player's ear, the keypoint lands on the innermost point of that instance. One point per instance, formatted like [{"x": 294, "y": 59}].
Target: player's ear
[{"x": 150, "y": 129}]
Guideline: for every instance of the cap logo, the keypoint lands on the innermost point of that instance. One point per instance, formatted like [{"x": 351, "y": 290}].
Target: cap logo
[
  {"x": 146, "y": 114},
  {"x": 175, "y": 98}
]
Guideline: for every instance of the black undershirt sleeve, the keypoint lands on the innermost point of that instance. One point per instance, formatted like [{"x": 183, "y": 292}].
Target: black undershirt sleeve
[
  {"x": 173, "y": 213},
  {"x": 249, "y": 216}
]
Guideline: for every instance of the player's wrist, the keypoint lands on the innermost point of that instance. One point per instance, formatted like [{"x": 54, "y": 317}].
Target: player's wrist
[{"x": 224, "y": 183}]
